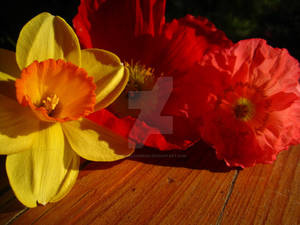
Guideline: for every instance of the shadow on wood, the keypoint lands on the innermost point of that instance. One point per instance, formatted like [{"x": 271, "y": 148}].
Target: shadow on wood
[{"x": 200, "y": 156}]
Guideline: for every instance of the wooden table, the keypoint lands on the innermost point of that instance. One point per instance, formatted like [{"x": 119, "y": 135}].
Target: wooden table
[{"x": 185, "y": 187}]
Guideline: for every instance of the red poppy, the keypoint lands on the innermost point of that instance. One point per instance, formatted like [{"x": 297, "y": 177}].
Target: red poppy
[
  {"x": 136, "y": 31},
  {"x": 251, "y": 111}
]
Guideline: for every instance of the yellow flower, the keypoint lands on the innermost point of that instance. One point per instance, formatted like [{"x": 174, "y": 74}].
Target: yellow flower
[{"x": 46, "y": 89}]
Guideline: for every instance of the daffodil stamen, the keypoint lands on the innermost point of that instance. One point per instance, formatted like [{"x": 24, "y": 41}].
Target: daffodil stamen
[{"x": 50, "y": 103}]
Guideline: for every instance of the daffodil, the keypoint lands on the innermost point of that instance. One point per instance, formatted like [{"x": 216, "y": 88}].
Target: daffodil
[{"x": 46, "y": 89}]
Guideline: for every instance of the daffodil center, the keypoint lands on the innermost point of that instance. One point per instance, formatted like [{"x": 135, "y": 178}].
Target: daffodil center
[
  {"x": 140, "y": 77},
  {"x": 56, "y": 90},
  {"x": 50, "y": 103},
  {"x": 243, "y": 109}
]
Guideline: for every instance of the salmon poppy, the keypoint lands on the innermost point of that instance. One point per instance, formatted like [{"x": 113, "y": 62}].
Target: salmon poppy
[{"x": 248, "y": 102}]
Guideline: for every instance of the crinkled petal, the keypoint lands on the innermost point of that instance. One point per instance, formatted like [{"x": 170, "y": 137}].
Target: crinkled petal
[
  {"x": 182, "y": 44},
  {"x": 178, "y": 49},
  {"x": 17, "y": 126},
  {"x": 255, "y": 61},
  {"x": 96, "y": 143},
  {"x": 203, "y": 27},
  {"x": 110, "y": 76},
  {"x": 9, "y": 69},
  {"x": 40, "y": 174},
  {"x": 44, "y": 37}
]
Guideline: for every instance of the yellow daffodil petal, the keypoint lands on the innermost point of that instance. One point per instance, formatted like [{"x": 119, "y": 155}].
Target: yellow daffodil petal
[
  {"x": 47, "y": 36},
  {"x": 110, "y": 76},
  {"x": 17, "y": 126},
  {"x": 38, "y": 175},
  {"x": 96, "y": 143},
  {"x": 20, "y": 173},
  {"x": 5, "y": 77},
  {"x": 71, "y": 176},
  {"x": 9, "y": 69}
]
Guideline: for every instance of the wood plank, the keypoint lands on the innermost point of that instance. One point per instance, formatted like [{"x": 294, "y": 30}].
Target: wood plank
[
  {"x": 10, "y": 207},
  {"x": 149, "y": 188},
  {"x": 267, "y": 194}
]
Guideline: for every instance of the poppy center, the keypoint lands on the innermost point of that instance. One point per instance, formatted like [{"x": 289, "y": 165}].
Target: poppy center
[
  {"x": 243, "y": 109},
  {"x": 56, "y": 90},
  {"x": 141, "y": 78}
]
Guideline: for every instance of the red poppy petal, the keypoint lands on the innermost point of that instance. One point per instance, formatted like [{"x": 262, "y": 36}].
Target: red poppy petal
[
  {"x": 281, "y": 101},
  {"x": 113, "y": 25},
  {"x": 233, "y": 140},
  {"x": 203, "y": 27},
  {"x": 140, "y": 132},
  {"x": 184, "y": 42},
  {"x": 257, "y": 62}
]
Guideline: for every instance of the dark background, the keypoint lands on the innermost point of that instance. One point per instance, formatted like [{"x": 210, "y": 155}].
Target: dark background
[{"x": 277, "y": 21}]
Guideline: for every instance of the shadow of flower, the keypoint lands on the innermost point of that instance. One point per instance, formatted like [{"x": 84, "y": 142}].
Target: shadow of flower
[{"x": 200, "y": 156}]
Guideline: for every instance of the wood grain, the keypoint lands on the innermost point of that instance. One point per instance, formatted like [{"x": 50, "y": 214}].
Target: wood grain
[
  {"x": 150, "y": 188},
  {"x": 267, "y": 194},
  {"x": 170, "y": 188}
]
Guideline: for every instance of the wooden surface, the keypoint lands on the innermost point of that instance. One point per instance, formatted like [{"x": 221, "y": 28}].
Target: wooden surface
[{"x": 185, "y": 187}]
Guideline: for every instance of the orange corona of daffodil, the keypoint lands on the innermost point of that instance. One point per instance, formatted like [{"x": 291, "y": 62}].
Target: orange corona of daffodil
[{"x": 46, "y": 89}]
